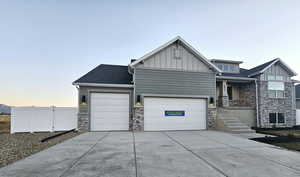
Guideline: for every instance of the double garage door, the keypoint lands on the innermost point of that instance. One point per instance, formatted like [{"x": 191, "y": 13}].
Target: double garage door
[{"x": 110, "y": 111}]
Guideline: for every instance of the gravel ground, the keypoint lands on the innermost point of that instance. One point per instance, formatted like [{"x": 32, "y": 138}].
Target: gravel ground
[{"x": 17, "y": 146}]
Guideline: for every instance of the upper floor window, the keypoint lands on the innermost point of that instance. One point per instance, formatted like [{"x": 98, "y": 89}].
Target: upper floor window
[
  {"x": 228, "y": 67},
  {"x": 275, "y": 78},
  {"x": 276, "y": 89}
]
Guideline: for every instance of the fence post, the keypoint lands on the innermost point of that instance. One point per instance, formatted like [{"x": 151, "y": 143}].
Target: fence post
[
  {"x": 30, "y": 121},
  {"x": 53, "y": 118}
]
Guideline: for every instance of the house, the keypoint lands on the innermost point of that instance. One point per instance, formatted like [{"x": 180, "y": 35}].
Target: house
[{"x": 174, "y": 87}]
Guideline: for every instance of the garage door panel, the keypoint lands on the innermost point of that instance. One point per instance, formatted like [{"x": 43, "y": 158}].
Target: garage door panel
[
  {"x": 155, "y": 119},
  {"x": 109, "y": 111}
]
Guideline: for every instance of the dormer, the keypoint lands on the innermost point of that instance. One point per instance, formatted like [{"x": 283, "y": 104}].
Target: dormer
[{"x": 227, "y": 66}]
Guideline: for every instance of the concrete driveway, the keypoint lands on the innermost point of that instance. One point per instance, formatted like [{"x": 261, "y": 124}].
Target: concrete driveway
[{"x": 155, "y": 154}]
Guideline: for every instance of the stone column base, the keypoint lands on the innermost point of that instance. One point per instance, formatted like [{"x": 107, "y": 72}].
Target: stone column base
[
  {"x": 137, "y": 123},
  {"x": 211, "y": 117}
]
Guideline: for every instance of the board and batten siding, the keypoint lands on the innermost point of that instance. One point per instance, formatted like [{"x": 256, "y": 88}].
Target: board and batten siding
[
  {"x": 165, "y": 59},
  {"x": 275, "y": 69},
  {"x": 149, "y": 81}
]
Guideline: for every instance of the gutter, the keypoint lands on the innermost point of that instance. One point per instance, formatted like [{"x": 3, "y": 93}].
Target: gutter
[
  {"x": 257, "y": 118},
  {"x": 104, "y": 85},
  {"x": 236, "y": 78}
]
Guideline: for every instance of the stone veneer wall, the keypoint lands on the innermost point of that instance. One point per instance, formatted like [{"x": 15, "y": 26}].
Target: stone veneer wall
[
  {"x": 248, "y": 94},
  {"x": 83, "y": 118},
  {"x": 137, "y": 121},
  {"x": 211, "y": 117},
  {"x": 272, "y": 105}
]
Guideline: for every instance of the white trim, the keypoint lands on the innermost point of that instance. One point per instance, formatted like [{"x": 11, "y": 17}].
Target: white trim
[
  {"x": 175, "y": 96},
  {"x": 236, "y": 78},
  {"x": 104, "y": 85},
  {"x": 199, "y": 55},
  {"x": 277, "y": 60}
]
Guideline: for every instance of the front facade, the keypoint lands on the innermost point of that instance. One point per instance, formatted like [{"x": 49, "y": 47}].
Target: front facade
[{"x": 174, "y": 87}]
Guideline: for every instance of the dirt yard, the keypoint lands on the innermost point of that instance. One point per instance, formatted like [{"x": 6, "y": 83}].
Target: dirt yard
[
  {"x": 289, "y": 139},
  {"x": 17, "y": 146}
]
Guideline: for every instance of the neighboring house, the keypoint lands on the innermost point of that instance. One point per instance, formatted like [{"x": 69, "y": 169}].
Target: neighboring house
[
  {"x": 298, "y": 96},
  {"x": 174, "y": 87}
]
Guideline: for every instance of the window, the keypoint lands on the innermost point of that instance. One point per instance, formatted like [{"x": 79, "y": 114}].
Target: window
[
  {"x": 281, "y": 118},
  {"x": 220, "y": 66},
  {"x": 272, "y": 118},
  {"x": 276, "y": 86},
  {"x": 232, "y": 68},
  {"x": 226, "y": 68},
  {"x": 275, "y": 78},
  {"x": 279, "y": 78},
  {"x": 276, "y": 89},
  {"x": 276, "y": 118},
  {"x": 271, "y": 77}
]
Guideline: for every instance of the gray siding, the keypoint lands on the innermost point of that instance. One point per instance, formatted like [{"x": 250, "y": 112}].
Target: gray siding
[
  {"x": 149, "y": 81},
  {"x": 165, "y": 59}
]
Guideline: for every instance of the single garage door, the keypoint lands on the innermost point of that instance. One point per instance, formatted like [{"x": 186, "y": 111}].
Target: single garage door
[
  {"x": 174, "y": 114},
  {"x": 109, "y": 111}
]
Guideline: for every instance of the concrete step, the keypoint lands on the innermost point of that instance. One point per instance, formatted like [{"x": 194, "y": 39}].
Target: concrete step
[
  {"x": 242, "y": 127},
  {"x": 243, "y": 131},
  {"x": 235, "y": 124},
  {"x": 232, "y": 121}
]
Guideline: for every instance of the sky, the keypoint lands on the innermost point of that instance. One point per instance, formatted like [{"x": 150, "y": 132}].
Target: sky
[{"x": 46, "y": 45}]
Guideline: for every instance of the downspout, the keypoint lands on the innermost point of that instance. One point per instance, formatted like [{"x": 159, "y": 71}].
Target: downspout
[{"x": 257, "y": 118}]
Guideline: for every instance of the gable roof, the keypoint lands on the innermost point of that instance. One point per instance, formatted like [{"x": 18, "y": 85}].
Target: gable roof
[
  {"x": 106, "y": 74},
  {"x": 263, "y": 67},
  {"x": 297, "y": 87},
  {"x": 187, "y": 45}
]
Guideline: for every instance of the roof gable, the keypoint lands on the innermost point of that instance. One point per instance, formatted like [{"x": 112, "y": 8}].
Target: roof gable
[
  {"x": 187, "y": 46},
  {"x": 264, "y": 67}
]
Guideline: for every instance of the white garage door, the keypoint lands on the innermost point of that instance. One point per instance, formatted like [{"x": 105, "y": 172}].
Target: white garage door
[
  {"x": 174, "y": 114},
  {"x": 109, "y": 111}
]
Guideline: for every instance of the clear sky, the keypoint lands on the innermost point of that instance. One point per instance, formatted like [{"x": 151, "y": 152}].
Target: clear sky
[{"x": 46, "y": 45}]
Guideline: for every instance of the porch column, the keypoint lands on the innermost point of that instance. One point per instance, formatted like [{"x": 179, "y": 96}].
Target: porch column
[{"x": 224, "y": 94}]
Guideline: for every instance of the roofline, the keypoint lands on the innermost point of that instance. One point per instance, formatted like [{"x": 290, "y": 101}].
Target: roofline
[
  {"x": 170, "y": 42},
  {"x": 104, "y": 85},
  {"x": 275, "y": 61},
  {"x": 236, "y": 78},
  {"x": 226, "y": 61}
]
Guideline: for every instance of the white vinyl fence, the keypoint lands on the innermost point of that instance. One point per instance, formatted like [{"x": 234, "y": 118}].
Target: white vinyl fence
[
  {"x": 41, "y": 119},
  {"x": 298, "y": 117}
]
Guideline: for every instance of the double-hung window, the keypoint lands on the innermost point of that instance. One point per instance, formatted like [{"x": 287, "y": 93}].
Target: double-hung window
[
  {"x": 276, "y": 118},
  {"x": 275, "y": 86}
]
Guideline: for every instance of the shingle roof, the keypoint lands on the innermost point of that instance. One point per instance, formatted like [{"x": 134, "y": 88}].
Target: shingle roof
[
  {"x": 243, "y": 73},
  {"x": 298, "y": 91},
  {"x": 260, "y": 67},
  {"x": 246, "y": 72},
  {"x": 107, "y": 74}
]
